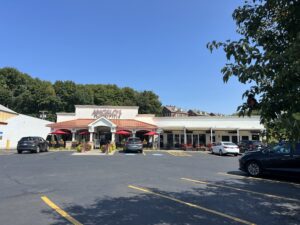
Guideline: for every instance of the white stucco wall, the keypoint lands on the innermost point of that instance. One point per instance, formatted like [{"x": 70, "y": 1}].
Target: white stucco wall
[
  {"x": 21, "y": 126},
  {"x": 61, "y": 117}
]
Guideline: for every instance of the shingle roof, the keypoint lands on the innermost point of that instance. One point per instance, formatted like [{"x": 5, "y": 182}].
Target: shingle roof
[
  {"x": 5, "y": 109},
  {"x": 132, "y": 124},
  {"x": 120, "y": 123}
]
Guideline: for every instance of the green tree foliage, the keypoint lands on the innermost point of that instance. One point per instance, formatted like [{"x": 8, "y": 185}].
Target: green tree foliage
[
  {"x": 268, "y": 56},
  {"x": 27, "y": 95},
  {"x": 148, "y": 102}
]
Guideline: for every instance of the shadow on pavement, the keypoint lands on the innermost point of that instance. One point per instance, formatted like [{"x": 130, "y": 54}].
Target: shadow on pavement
[
  {"x": 148, "y": 209},
  {"x": 293, "y": 178}
]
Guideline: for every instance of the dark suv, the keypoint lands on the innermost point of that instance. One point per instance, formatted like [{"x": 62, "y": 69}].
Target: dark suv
[
  {"x": 32, "y": 144},
  {"x": 277, "y": 159},
  {"x": 247, "y": 145},
  {"x": 133, "y": 144}
]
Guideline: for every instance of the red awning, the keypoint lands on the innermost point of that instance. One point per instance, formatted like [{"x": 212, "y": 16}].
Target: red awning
[
  {"x": 123, "y": 132},
  {"x": 59, "y": 132},
  {"x": 84, "y": 132}
]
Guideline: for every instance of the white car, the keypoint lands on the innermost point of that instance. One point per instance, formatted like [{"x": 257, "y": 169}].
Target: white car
[{"x": 223, "y": 148}]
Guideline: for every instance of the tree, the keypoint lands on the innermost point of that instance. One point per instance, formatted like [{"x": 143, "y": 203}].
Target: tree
[
  {"x": 268, "y": 56},
  {"x": 148, "y": 102}
]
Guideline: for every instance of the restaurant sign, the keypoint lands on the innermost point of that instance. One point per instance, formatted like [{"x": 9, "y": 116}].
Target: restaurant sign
[{"x": 107, "y": 113}]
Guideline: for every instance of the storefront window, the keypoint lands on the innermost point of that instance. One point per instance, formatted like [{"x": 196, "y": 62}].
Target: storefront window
[
  {"x": 234, "y": 139},
  {"x": 225, "y": 138},
  {"x": 245, "y": 138}
]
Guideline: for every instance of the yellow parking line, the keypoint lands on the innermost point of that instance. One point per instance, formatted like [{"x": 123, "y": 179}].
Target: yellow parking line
[
  {"x": 257, "y": 178},
  {"x": 60, "y": 211},
  {"x": 192, "y": 205},
  {"x": 239, "y": 189}
]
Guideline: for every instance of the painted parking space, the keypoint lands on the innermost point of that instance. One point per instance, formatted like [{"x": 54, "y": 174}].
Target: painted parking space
[
  {"x": 192, "y": 205},
  {"x": 240, "y": 176},
  {"x": 60, "y": 211},
  {"x": 269, "y": 195}
]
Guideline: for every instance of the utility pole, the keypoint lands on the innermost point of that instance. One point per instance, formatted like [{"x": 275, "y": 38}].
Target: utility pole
[{"x": 43, "y": 114}]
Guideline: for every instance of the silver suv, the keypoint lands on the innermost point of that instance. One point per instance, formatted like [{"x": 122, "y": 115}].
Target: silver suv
[{"x": 133, "y": 144}]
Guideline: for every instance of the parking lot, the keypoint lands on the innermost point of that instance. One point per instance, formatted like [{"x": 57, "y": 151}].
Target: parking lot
[{"x": 151, "y": 188}]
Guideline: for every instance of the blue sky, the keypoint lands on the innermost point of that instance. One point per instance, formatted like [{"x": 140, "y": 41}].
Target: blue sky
[{"x": 157, "y": 45}]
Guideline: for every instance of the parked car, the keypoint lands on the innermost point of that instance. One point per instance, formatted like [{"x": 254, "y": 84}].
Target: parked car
[
  {"x": 224, "y": 148},
  {"x": 278, "y": 159},
  {"x": 247, "y": 145},
  {"x": 133, "y": 144},
  {"x": 32, "y": 144}
]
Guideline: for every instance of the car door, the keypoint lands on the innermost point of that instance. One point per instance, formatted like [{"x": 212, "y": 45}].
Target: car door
[
  {"x": 216, "y": 147},
  {"x": 296, "y": 159},
  {"x": 279, "y": 158},
  {"x": 42, "y": 144}
]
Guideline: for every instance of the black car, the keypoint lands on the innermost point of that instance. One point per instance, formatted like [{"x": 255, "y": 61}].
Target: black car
[
  {"x": 32, "y": 144},
  {"x": 133, "y": 144},
  {"x": 247, "y": 145},
  {"x": 278, "y": 159}
]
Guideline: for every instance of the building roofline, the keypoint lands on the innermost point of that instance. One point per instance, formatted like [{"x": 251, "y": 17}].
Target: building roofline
[
  {"x": 106, "y": 106},
  {"x": 205, "y": 117},
  {"x": 65, "y": 113}
]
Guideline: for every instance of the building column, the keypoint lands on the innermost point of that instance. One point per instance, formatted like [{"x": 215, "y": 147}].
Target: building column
[
  {"x": 113, "y": 137},
  {"x": 73, "y": 135},
  {"x": 211, "y": 135},
  {"x": 91, "y": 137},
  {"x": 173, "y": 144},
  {"x": 184, "y": 133},
  {"x": 133, "y": 133},
  {"x": 238, "y": 135},
  {"x": 158, "y": 141}
]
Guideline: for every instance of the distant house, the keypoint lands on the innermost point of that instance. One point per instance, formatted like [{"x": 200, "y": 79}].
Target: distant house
[
  {"x": 193, "y": 112},
  {"x": 173, "y": 111}
]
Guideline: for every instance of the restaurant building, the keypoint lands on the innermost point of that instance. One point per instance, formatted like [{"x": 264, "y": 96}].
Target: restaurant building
[{"x": 99, "y": 124}]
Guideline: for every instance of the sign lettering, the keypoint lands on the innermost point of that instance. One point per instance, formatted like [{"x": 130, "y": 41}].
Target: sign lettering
[{"x": 107, "y": 113}]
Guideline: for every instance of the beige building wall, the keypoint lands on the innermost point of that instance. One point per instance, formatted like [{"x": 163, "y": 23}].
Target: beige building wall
[{"x": 6, "y": 115}]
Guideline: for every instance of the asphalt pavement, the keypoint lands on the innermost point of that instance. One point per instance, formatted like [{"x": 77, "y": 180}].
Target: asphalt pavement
[{"x": 152, "y": 188}]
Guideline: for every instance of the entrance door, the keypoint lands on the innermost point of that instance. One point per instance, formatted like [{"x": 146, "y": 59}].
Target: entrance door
[{"x": 234, "y": 139}]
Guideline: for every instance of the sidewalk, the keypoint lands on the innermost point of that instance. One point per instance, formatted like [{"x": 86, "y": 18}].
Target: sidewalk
[
  {"x": 7, "y": 152},
  {"x": 92, "y": 152}
]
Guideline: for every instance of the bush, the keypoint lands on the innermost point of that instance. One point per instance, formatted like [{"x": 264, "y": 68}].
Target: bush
[{"x": 83, "y": 147}]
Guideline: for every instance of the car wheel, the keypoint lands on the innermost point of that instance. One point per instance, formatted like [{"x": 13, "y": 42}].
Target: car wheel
[
  {"x": 253, "y": 169},
  {"x": 19, "y": 152},
  {"x": 37, "y": 149},
  {"x": 220, "y": 152},
  {"x": 235, "y": 154},
  {"x": 47, "y": 148}
]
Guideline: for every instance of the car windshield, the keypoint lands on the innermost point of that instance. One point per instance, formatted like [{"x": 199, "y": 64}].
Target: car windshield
[
  {"x": 28, "y": 139},
  {"x": 133, "y": 140},
  {"x": 228, "y": 143}
]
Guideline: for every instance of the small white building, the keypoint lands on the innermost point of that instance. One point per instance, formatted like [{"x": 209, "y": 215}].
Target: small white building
[{"x": 18, "y": 126}]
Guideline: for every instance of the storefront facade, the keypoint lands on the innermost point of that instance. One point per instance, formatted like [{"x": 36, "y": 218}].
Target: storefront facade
[{"x": 99, "y": 124}]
